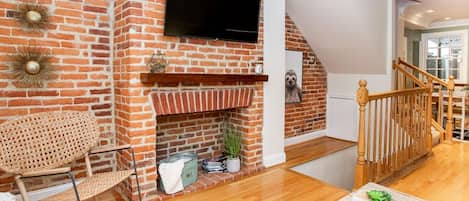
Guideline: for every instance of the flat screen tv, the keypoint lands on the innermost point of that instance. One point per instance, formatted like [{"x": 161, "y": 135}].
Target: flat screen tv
[{"x": 235, "y": 20}]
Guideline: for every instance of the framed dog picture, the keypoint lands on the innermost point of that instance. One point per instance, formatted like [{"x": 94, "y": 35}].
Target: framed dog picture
[{"x": 293, "y": 76}]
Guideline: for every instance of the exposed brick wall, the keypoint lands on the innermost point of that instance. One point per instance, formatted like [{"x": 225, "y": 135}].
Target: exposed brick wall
[
  {"x": 248, "y": 121},
  {"x": 138, "y": 32},
  {"x": 85, "y": 36},
  {"x": 309, "y": 115},
  {"x": 78, "y": 37},
  {"x": 198, "y": 132}
]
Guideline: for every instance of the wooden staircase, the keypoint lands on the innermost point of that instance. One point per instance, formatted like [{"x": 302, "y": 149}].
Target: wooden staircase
[
  {"x": 442, "y": 97},
  {"x": 399, "y": 128}
]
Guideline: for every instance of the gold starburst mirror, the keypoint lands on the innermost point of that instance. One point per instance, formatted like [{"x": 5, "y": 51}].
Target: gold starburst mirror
[
  {"x": 33, "y": 16},
  {"x": 31, "y": 66}
]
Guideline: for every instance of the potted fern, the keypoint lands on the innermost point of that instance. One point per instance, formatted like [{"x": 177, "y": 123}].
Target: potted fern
[{"x": 232, "y": 140}]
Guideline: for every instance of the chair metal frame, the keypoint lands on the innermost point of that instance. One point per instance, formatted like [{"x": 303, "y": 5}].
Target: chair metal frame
[{"x": 42, "y": 143}]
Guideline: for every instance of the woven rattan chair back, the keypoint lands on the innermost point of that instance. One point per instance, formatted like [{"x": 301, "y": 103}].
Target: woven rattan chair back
[{"x": 46, "y": 140}]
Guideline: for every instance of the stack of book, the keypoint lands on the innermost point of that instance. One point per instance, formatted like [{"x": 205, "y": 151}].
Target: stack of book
[{"x": 214, "y": 166}]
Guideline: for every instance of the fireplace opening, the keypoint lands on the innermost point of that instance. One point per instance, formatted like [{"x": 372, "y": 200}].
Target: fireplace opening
[
  {"x": 201, "y": 133},
  {"x": 194, "y": 120}
]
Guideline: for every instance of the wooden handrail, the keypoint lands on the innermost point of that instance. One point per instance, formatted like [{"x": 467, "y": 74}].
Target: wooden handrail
[
  {"x": 440, "y": 129},
  {"x": 423, "y": 72},
  {"x": 409, "y": 75},
  {"x": 396, "y": 93},
  {"x": 395, "y": 127},
  {"x": 458, "y": 84},
  {"x": 437, "y": 126},
  {"x": 433, "y": 81},
  {"x": 393, "y": 131}
]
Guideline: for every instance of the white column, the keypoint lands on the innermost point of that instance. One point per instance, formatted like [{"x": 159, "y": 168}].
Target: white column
[{"x": 274, "y": 90}]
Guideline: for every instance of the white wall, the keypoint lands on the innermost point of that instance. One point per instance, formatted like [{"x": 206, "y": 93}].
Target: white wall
[
  {"x": 354, "y": 39},
  {"x": 348, "y": 83},
  {"x": 349, "y": 36},
  {"x": 336, "y": 169},
  {"x": 402, "y": 40},
  {"x": 274, "y": 95},
  {"x": 342, "y": 107}
]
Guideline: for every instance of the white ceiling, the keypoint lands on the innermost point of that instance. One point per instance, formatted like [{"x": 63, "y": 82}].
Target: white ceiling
[{"x": 429, "y": 12}]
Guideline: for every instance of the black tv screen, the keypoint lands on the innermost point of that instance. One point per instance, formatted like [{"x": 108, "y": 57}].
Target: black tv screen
[{"x": 236, "y": 20}]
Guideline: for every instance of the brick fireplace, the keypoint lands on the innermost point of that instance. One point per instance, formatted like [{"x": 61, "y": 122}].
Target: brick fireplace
[
  {"x": 192, "y": 120},
  {"x": 138, "y": 32}
]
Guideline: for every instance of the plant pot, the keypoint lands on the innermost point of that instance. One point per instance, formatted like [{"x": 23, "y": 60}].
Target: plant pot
[{"x": 233, "y": 164}]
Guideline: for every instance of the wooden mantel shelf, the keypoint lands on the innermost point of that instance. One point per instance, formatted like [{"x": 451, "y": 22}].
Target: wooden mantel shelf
[{"x": 174, "y": 78}]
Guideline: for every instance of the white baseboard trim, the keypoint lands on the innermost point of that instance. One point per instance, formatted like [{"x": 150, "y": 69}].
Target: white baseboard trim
[
  {"x": 274, "y": 159},
  {"x": 305, "y": 137}
]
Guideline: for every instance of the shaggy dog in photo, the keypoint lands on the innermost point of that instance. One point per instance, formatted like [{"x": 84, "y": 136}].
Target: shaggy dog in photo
[{"x": 292, "y": 90}]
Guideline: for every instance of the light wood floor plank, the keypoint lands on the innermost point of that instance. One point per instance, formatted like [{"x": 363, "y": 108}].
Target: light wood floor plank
[
  {"x": 314, "y": 149},
  {"x": 280, "y": 183},
  {"x": 275, "y": 184},
  {"x": 443, "y": 177}
]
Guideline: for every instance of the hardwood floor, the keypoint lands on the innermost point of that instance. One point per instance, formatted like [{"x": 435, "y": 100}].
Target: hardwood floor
[
  {"x": 443, "y": 177},
  {"x": 279, "y": 182},
  {"x": 275, "y": 184},
  {"x": 314, "y": 149}
]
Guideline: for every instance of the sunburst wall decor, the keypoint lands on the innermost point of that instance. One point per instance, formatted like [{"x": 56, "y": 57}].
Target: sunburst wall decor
[
  {"x": 31, "y": 66},
  {"x": 33, "y": 16}
]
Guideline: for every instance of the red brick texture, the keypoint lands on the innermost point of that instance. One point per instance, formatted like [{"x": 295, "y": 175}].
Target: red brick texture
[
  {"x": 174, "y": 102},
  {"x": 309, "y": 115},
  {"x": 78, "y": 37},
  {"x": 197, "y": 132},
  {"x": 138, "y": 32},
  {"x": 100, "y": 47}
]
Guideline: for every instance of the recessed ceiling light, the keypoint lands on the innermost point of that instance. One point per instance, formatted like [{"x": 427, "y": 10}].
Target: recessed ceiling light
[
  {"x": 430, "y": 11},
  {"x": 447, "y": 18}
]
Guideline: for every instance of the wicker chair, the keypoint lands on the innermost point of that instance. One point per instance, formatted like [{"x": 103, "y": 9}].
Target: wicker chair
[{"x": 41, "y": 144}]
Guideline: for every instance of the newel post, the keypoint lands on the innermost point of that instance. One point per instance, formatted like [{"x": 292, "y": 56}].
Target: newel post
[
  {"x": 360, "y": 169},
  {"x": 429, "y": 115},
  {"x": 449, "y": 122}
]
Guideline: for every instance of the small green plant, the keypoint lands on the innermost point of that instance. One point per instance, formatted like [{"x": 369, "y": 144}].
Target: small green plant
[
  {"x": 375, "y": 195},
  {"x": 232, "y": 140}
]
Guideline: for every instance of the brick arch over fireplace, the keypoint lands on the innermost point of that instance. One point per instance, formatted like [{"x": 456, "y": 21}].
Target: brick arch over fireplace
[{"x": 191, "y": 101}]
